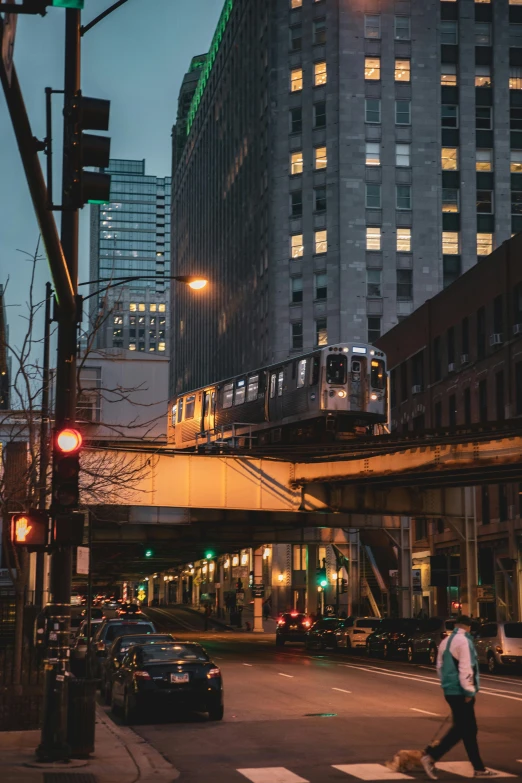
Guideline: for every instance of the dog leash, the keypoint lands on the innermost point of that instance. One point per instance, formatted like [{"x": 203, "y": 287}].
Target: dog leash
[{"x": 439, "y": 730}]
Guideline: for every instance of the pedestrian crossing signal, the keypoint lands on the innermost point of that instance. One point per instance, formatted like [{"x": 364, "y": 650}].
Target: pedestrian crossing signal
[{"x": 30, "y": 529}]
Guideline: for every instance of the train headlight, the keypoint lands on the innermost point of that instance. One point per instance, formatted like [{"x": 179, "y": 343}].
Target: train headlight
[
  {"x": 373, "y": 396},
  {"x": 341, "y": 393}
]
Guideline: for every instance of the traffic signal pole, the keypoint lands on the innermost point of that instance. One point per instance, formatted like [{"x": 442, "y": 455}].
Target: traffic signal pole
[{"x": 53, "y": 746}]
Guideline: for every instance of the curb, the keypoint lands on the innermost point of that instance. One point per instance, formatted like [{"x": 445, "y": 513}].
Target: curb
[{"x": 151, "y": 765}]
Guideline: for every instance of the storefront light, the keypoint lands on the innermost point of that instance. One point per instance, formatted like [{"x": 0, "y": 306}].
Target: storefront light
[
  {"x": 244, "y": 559},
  {"x": 266, "y": 553},
  {"x": 235, "y": 560},
  {"x": 280, "y": 577}
]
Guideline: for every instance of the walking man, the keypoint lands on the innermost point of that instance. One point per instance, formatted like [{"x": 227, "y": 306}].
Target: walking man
[{"x": 458, "y": 670}]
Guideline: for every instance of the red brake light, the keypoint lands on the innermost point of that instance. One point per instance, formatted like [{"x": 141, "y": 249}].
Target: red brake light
[
  {"x": 281, "y": 621},
  {"x": 213, "y": 673},
  {"x": 294, "y": 614},
  {"x": 139, "y": 675}
]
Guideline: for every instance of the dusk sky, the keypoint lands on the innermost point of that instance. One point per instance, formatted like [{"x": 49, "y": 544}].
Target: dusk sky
[{"x": 136, "y": 58}]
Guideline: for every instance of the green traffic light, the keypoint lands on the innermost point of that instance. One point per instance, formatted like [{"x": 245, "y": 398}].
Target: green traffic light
[
  {"x": 323, "y": 583},
  {"x": 209, "y": 555},
  {"x": 68, "y": 4},
  {"x": 149, "y": 553}
]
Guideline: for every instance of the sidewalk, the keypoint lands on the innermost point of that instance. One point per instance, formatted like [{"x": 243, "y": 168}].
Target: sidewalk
[
  {"x": 120, "y": 756},
  {"x": 269, "y": 625}
]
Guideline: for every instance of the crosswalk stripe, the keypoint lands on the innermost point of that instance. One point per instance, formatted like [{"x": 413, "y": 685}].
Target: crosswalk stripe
[
  {"x": 465, "y": 769},
  {"x": 271, "y": 775},
  {"x": 371, "y": 772}
]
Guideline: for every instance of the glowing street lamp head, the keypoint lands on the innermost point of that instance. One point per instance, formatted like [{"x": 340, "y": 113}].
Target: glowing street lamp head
[
  {"x": 69, "y": 440},
  {"x": 197, "y": 284}
]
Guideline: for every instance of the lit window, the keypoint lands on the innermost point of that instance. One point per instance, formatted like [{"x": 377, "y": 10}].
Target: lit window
[
  {"x": 320, "y": 158},
  {"x": 321, "y": 332},
  {"x": 404, "y": 240},
  {"x": 152, "y": 347},
  {"x": 117, "y": 333},
  {"x": 402, "y": 154},
  {"x": 449, "y": 159},
  {"x": 449, "y": 33},
  {"x": 484, "y": 160},
  {"x": 450, "y": 200},
  {"x": 484, "y": 244},
  {"x": 373, "y": 154},
  {"x": 483, "y": 76},
  {"x": 515, "y": 2},
  {"x": 319, "y": 36},
  {"x": 296, "y": 163},
  {"x": 516, "y": 161},
  {"x": 296, "y": 287},
  {"x": 162, "y": 308},
  {"x": 153, "y": 307},
  {"x": 132, "y": 346},
  {"x": 319, "y": 74},
  {"x": 296, "y": 79},
  {"x": 374, "y": 329},
  {"x": 485, "y": 202},
  {"x": 373, "y": 283},
  {"x": 373, "y": 196},
  {"x": 296, "y": 245},
  {"x": 297, "y": 337},
  {"x": 402, "y": 70},
  {"x": 321, "y": 285},
  {"x": 483, "y": 117},
  {"x": 450, "y": 243},
  {"x": 133, "y": 307},
  {"x": 482, "y": 34},
  {"x": 515, "y": 77},
  {"x": 402, "y": 28},
  {"x": 449, "y": 116},
  {"x": 161, "y": 346},
  {"x": 372, "y": 26},
  {"x": 373, "y": 238},
  {"x": 141, "y": 307},
  {"x": 118, "y": 319},
  {"x": 403, "y": 112},
  {"x": 296, "y": 3},
  {"x": 372, "y": 110},
  {"x": 320, "y": 242},
  {"x": 403, "y": 196},
  {"x": 448, "y": 74},
  {"x": 372, "y": 69}
]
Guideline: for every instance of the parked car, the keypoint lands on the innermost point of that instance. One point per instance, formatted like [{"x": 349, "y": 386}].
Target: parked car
[
  {"x": 117, "y": 652},
  {"x": 321, "y": 635},
  {"x": 353, "y": 632},
  {"x": 128, "y": 610},
  {"x": 96, "y": 613},
  {"x": 76, "y": 599},
  {"x": 107, "y": 633},
  {"x": 74, "y": 625},
  {"x": 392, "y": 637},
  {"x": 499, "y": 645},
  {"x": 426, "y": 638},
  {"x": 292, "y": 627},
  {"x": 167, "y": 675}
]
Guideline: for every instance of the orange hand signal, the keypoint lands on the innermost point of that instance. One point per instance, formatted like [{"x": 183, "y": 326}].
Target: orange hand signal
[{"x": 23, "y": 528}]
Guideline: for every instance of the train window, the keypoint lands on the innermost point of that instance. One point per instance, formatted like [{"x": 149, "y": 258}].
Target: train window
[
  {"x": 378, "y": 376},
  {"x": 253, "y": 384},
  {"x": 228, "y": 395},
  {"x": 273, "y": 381},
  {"x": 190, "y": 404},
  {"x": 336, "y": 369},
  {"x": 239, "y": 396},
  {"x": 356, "y": 365},
  {"x": 314, "y": 371},
  {"x": 173, "y": 415},
  {"x": 180, "y": 409},
  {"x": 301, "y": 373},
  {"x": 280, "y": 378},
  {"x": 206, "y": 404}
]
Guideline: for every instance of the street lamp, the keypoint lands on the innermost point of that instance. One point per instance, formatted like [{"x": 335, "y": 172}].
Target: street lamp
[{"x": 196, "y": 282}]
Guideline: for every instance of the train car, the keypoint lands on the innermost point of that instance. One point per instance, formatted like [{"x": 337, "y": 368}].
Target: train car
[{"x": 328, "y": 395}]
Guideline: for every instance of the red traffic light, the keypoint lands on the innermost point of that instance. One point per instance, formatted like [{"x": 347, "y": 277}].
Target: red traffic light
[
  {"x": 68, "y": 440},
  {"x": 30, "y": 529}
]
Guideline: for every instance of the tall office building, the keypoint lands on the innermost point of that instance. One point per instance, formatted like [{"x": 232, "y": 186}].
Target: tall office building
[
  {"x": 5, "y": 363},
  {"x": 130, "y": 236},
  {"x": 344, "y": 162}
]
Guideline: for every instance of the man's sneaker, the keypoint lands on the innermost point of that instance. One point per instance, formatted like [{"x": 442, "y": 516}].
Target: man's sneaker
[
  {"x": 429, "y": 767},
  {"x": 483, "y": 773}
]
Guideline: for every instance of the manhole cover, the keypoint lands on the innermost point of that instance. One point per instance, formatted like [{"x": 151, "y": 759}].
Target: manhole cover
[
  {"x": 317, "y": 715},
  {"x": 69, "y": 777}
]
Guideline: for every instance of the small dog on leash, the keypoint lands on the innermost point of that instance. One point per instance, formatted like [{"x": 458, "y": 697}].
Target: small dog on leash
[{"x": 406, "y": 760}]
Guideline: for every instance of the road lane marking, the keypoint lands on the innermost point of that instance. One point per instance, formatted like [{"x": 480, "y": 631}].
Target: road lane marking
[
  {"x": 485, "y": 677},
  {"x": 341, "y": 690},
  {"x": 371, "y": 772},
  {"x": 465, "y": 769},
  {"x": 425, "y": 712},
  {"x": 248, "y": 664},
  {"x": 291, "y": 676},
  {"x": 271, "y": 775}
]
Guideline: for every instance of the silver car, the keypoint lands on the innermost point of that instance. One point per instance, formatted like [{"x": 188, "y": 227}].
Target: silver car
[
  {"x": 499, "y": 645},
  {"x": 80, "y": 644},
  {"x": 353, "y": 632}
]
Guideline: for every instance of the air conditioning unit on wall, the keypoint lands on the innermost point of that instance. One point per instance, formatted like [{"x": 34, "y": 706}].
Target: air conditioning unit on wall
[{"x": 495, "y": 339}]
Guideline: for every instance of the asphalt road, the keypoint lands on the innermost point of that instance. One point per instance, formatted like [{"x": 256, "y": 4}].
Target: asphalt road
[{"x": 293, "y": 716}]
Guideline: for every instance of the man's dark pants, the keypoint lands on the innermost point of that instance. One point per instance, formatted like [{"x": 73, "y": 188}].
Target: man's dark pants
[{"x": 464, "y": 728}]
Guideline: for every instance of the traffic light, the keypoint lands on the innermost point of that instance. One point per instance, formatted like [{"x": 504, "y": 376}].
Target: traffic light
[
  {"x": 322, "y": 581},
  {"x": 78, "y": 4},
  {"x": 66, "y": 470},
  {"x": 149, "y": 553},
  {"x": 30, "y": 529},
  {"x": 86, "y": 149},
  {"x": 209, "y": 554}
]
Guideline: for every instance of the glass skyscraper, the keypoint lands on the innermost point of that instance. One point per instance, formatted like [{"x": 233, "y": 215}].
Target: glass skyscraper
[{"x": 130, "y": 236}]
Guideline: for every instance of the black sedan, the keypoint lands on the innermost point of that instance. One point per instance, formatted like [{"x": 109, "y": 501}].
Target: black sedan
[
  {"x": 176, "y": 675},
  {"x": 292, "y": 627},
  {"x": 116, "y": 654},
  {"x": 392, "y": 638},
  {"x": 321, "y": 635}
]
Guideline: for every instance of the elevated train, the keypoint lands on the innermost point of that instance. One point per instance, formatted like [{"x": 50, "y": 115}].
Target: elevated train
[{"x": 328, "y": 395}]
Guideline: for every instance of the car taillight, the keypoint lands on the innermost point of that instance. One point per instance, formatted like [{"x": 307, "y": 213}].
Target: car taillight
[
  {"x": 307, "y": 623},
  {"x": 213, "y": 673},
  {"x": 293, "y": 614},
  {"x": 101, "y": 645},
  {"x": 280, "y": 621},
  {"x": 499, "y": 650},
  {"x": 139, "y": 675}
]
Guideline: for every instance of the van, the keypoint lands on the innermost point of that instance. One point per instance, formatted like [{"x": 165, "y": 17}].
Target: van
[{"x": 499, "y": 645}]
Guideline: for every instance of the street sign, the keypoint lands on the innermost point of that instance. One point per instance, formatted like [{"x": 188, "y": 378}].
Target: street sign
[
  {"x": 82, "y": 560},
  {"x": 240, "y": 597},
  {"x": 416, "y": 578},
  {"x": 8, "y": 39},
  {"x": 486, "y": 594},
  {"x": 258, "y": 591}
]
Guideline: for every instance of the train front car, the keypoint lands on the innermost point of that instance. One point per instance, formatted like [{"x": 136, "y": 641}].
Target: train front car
[{"x": 354, "y": 388}]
